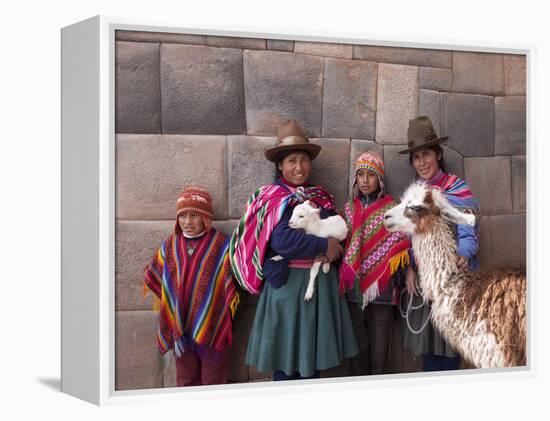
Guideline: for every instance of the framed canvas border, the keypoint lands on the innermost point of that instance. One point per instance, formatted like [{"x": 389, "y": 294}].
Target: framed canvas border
[{"x": 88, "y": 212}]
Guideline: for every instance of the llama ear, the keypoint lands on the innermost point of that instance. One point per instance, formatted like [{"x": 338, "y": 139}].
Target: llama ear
[
  {"x": 451, "y": 213},
  {"x": 456, "y": 216},
  {"x": 459, "y": 217}
]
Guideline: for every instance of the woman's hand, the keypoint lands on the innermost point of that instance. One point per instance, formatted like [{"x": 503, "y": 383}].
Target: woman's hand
[
  {"x": 410, "y": 281},
  {"x": 334, "y": 250},
  {"x": 462, "y": 262}
]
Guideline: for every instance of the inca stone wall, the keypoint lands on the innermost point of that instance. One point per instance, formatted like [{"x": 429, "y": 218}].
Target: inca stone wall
[{"x": 202, "y": 110}]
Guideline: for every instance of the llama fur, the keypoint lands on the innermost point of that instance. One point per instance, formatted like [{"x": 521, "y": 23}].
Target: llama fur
[
  {"x": 306, "y": 217},
  {"x": 482, "y": 314}
]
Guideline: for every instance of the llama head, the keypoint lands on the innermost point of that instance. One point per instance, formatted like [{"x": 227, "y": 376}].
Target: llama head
[
  {"x": 421, "y": 208},
  {"x": 303, "y": 214}
]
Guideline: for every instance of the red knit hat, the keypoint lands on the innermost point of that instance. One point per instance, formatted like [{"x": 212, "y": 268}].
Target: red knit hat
[{"x": 195, "y": 199}]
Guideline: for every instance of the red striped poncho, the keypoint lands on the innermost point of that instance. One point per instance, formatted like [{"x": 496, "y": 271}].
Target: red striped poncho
[{"x": 197, "y": 294}]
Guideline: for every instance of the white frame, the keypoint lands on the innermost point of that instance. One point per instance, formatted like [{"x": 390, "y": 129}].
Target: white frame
[{"x": 88, "y": 214}]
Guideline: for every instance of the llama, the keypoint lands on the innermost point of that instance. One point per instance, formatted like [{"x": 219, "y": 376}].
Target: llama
[
  {"x": 481, "y": 314},
  {"x": 306, "y": 217}
]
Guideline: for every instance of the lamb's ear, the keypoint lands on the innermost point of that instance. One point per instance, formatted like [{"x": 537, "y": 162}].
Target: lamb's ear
[
  {"x": 307, "y": 202},
  {"x": 450, "y": 213},
  {"x": 317, "y": 211}
]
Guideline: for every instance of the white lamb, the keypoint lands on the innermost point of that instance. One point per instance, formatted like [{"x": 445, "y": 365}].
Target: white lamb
[{"x": 308, "y": 218}]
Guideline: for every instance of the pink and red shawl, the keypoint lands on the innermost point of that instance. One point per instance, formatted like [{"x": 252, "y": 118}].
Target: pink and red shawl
[
  {"x": 452, "y": 185},
  {"x": 372, "y": 254},
  {"x": 263, "y": 212},
  {"x": 197, "y": 294}
]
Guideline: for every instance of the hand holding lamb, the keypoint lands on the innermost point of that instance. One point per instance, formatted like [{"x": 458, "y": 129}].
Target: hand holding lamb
[{"x": 308, "y": 218}]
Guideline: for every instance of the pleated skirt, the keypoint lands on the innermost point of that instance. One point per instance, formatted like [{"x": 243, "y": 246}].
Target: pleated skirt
[{"x": 294, "y": 335}]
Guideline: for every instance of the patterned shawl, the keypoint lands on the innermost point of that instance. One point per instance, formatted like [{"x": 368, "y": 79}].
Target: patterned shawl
[
  {"x": 197, "y": 294},
  {"x": 250, "y": 238},
  {"x": 456, "y": 191},
  {"x": 373, "y": 254}
]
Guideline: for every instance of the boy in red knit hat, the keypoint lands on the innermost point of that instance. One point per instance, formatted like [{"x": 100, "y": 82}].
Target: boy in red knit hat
[{"x": 191, "y": 276}]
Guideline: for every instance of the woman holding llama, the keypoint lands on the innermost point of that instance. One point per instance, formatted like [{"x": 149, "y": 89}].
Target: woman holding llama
[
  {"x": 290, "y": 336},
  {"x": 426, "y": 157},
  {"x": 375, "y": 260}
]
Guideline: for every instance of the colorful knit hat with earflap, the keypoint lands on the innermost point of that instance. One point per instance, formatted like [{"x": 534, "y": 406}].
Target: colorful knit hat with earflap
[
  {"x": 371, "y": 161},
  {"x": 195, "y": 199}
]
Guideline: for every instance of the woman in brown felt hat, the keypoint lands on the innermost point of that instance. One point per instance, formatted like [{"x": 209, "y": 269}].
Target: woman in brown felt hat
[
  {"x": 291, "y": 337},
  {"x": 426, "y": 157}
]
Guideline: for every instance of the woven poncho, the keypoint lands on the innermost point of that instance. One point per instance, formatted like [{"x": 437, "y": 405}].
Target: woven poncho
[
  {"x": 372, "y": 254},
  {"x": 197, "y": 294}
]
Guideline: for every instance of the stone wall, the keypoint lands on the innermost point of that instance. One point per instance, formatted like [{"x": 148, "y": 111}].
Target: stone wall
[{"x": 202, "y": 109}]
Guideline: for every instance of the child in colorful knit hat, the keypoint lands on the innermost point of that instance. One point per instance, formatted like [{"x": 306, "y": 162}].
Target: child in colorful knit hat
[
  {"x": 374, "y": 259},
  {"x": 191, "y": 276}
]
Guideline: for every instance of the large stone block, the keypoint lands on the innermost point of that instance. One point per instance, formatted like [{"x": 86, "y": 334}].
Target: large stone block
[
  {"x": 397, "y": 102},
  {"x": 510, "y": 127},
  {"x": 280, "y": 86},
  {"x": 398, "y": 55},
  {"x": 491, "y": 182},
  {"x": 398, "y": 172},
  {"x": 435, "y": 79},
  {"x": 515, "y": 74},
  {"x": 280, "y": 45},
  {"x": 248, "y": 169},
  {"x": 469, "y": 121},
  {"x": 137, "y": 359},
  {"x": 151, "y": 172},
  {"x": 359, "y": 147},
  {"x": 519, "y": 184},
  {"x": 454, "y": 162},
  {"x": 331, "y": 168},
  {"x": 508, "y": 240},
  {"x": 136, "y": 244},
  {"x": 324, "y": 49},
  {"x": 202, "y": 90},
  {"x": 429, "y": 105},
  {"x": 237, "y": 42},
  {"x": 160, "y": 37},
  {"x": 478, "y": 73},
  {"x": 242, "y": 325},
  {"x": 227, "y": 226},
  {"x": 137, "y": 88},
  {"x": 349, "y": 99}
]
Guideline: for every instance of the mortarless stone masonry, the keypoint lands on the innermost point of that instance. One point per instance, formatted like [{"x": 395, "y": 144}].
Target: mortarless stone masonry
[{"x": 198, "y": 109}]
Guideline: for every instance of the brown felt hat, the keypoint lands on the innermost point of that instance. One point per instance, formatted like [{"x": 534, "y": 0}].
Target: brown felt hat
[
  {"x": 292, "y": 138},
  {"x": 421, "y": 135}
]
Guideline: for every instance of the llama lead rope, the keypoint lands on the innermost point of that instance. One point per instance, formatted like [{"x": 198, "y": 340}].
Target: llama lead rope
[{"x": 407, "y": 313}]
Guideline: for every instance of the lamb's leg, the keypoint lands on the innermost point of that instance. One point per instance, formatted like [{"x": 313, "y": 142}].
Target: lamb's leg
[{"x": 311, "y": 285}]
